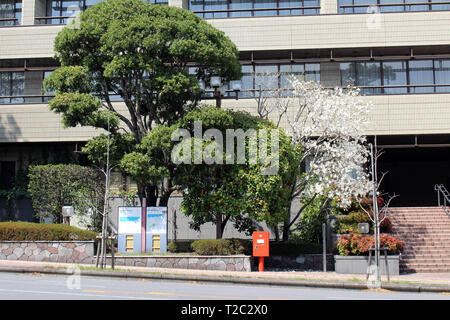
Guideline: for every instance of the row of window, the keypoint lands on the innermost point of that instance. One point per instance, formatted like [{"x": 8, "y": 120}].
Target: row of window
[
  {"x": 374, "y": 77},
  {"x": 59, "y": 11},
  {"x": 253, "y": 8},
  {"x": 372, "y": 6}
]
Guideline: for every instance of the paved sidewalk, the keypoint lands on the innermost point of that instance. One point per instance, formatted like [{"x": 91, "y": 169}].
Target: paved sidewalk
[{"x": 413, "y": 279}]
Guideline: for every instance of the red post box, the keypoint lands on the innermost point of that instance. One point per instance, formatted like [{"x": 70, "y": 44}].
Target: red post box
[{"x": 261, "y": 247}]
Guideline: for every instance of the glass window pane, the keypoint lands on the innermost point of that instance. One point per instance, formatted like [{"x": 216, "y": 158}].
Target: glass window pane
[
  {"x": 364, "y": 9},
  {"x": 391, "y": 8},
  {"x": 215, "y": 5},
  {"x": 368, "y": 74},
  {"x": 266, "y": 77},
  {"x": 394, "y": 74},
  {"x": 348, "y": 73},
  {"x": 442, "y": 74},
  {"x": 240, "y": 4},
  {"x": 263, "y": 4},
  {"x": 312, "y": 71},
  {"x": 247, "y": 81},
  {"x": 5, "y": 86},
  {"x": 18, "y": 86},
  {"x": 309, "y": 3},
  {"x": 440, "y": 6},
  {"x": 415, "y": 7},
  {"x": 421, "y": 73}
]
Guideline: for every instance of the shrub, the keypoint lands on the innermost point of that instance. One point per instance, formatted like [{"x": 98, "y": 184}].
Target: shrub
[
  {"x": 172, "y": 247},
  {"x": 349, "y": 223},
  {"x": 27, "y": 231},
  {"x": 357, "y": 244},
  {"x": 221, "y": 246}
]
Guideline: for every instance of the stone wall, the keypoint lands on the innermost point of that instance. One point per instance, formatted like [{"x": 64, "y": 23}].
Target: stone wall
[
  {"x": 224, "y": 263},
  {"x": 54, "y": 251}
]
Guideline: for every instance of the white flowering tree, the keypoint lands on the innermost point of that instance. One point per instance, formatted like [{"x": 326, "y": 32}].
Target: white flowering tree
[{"x": 329, "y": 126}]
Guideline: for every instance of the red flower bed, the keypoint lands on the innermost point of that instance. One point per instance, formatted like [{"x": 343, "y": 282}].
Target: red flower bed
[{"x": 358, "y": 244}]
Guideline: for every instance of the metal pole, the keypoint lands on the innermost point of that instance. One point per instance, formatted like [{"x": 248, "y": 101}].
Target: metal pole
[
  {"x": 144, "y": 225},
  {"x": 374, "y": 210},
  {"x": 324, "y": 249}
]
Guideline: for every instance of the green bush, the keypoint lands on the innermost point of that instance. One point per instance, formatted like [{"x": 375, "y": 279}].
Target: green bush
[
  {"x": 172, "y": 247},
  {"x": 349, "y": 224},
  {"x": 27, "y": 231},
  {"x": 221, "y": 246}
]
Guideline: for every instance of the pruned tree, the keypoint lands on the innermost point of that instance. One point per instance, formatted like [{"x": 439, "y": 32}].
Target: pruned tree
[{"x": 150, "y": 56}]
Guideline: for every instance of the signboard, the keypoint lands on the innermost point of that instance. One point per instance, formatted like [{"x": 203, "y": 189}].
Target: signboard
[
  {"x": 157, "y": 220},
  {"x": 129, "y": 220}
]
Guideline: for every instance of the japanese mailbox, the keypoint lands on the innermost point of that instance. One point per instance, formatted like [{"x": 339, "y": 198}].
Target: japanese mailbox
[{"x": 261, "y": 247}]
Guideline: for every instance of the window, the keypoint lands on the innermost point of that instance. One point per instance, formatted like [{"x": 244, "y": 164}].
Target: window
[
  {"x": 362, "y": 6},
  {"x": 421, "y": 74},
  {"x": 368, "y": 75},
  {"x": 442, "y": 75},
  {"x": 252, "y": 8},
  {"x": 59, "y": 11},
  {"x": 394, "y": 74},
  {"x": 11, "y": 87},
  {"x": 10, "y": 12}
]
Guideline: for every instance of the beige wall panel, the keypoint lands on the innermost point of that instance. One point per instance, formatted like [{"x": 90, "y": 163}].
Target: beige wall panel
[
  {"x": 27, "y": 42},
  {"x": 337, "y": 31},
  {"x": 391, "y": 115}
]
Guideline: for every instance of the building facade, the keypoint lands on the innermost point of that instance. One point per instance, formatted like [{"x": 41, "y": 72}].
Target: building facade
[{"x": 397, "y": 51}]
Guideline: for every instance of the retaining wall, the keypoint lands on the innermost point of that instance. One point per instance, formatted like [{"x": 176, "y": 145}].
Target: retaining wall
[
  {"x": 53, "y": 251},
  {"x": 224, "y": 263}
]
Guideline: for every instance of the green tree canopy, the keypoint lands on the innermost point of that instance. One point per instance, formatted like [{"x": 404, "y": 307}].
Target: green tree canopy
[{"x": 151, "y": 56}]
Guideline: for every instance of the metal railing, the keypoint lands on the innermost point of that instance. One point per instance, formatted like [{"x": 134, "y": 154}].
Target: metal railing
[
  {"x": 441, "y": 190},
  {"x": 14, "y": 21},
  {"x": 252, "y": 11},
  {"x": 405, "y": 6},
  {"x": 249, "y": 93}
]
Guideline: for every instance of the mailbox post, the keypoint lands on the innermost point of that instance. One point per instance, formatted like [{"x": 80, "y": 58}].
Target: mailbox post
[{"x": 261, "y": 247}]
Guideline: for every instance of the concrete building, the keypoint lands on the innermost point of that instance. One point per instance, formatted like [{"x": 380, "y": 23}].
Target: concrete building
[{"x": 397, "y": 51}]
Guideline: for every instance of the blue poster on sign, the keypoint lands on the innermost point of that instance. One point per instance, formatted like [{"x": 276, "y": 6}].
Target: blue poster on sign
[
  {"x": 156, "y": 237},
  {"x": 156, "y": 219}
]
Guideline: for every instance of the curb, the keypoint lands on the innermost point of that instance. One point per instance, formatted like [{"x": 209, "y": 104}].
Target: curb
[{"x": 234, "y": 280}]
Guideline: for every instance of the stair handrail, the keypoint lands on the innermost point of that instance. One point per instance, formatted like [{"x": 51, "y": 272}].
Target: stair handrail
[{"x": 440, "y": 189}]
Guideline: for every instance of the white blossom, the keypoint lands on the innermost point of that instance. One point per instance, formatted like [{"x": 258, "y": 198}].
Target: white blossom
[{"x": 329, "y": 124}]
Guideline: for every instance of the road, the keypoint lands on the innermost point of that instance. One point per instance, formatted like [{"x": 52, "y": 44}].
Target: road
[{"x": 59, "y": 287}]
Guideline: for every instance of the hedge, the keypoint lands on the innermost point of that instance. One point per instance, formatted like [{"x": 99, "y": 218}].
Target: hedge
[
  {"x": 221, "y": 246},
  {"x": 27, "y": 231}
]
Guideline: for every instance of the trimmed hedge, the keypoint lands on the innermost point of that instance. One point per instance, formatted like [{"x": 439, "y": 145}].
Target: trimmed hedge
[
  {"x": 27, "y": 231},
  {"x": 221, "y": 246}
]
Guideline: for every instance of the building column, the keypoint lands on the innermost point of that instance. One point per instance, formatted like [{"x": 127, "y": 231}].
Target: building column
[
  {"x": 179, "y": 4},
  {"x": 32, "y": 9},
  {"x": 28, "y": 12},
  {"x": 328, "y": 6}
]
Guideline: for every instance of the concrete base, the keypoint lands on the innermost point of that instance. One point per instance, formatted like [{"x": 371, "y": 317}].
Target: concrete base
[{"x": 358, "y": 264}]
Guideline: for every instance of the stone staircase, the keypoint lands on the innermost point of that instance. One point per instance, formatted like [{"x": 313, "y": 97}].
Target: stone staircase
[{"x": 425, "y": 232}]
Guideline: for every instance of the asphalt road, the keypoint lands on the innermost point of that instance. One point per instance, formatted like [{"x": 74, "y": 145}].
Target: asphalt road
[{"x": 59, "y": 287}]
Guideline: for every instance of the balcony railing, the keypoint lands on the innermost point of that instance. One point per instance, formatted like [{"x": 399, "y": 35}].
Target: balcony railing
[
  {"x": 4, "y": 22},
  {"x": 399, "y": 6},
  {"x": 247, "y": 93},
  {"x": 252, "y": 11},
  {"x": 48, "y": 20}
]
